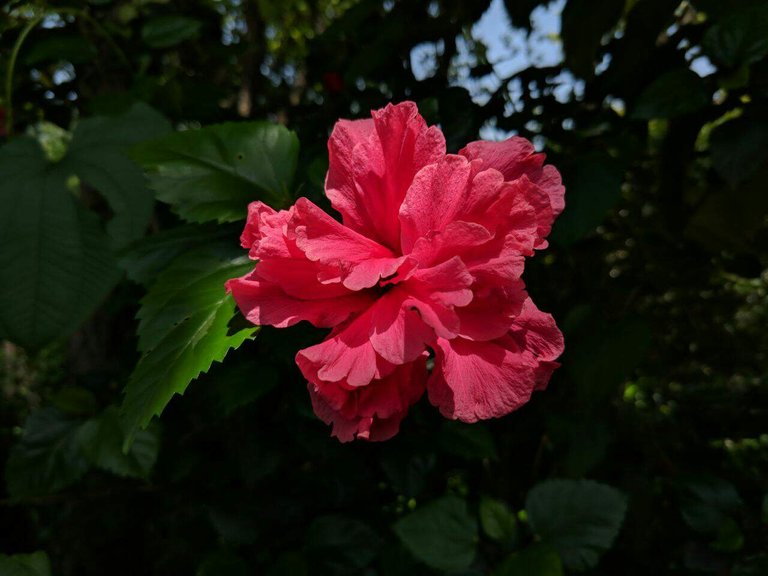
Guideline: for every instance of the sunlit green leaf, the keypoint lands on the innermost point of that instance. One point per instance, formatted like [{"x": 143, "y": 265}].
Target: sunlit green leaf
[
  {"x": 183, "y": 328},
  {"x": 215, "y": 172}
]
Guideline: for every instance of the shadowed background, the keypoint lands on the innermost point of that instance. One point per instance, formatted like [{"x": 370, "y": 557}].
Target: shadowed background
[{"x": 648, "y": 454}]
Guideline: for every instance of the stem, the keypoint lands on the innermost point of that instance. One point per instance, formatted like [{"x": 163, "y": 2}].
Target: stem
[{"x": 9, "y": 73}]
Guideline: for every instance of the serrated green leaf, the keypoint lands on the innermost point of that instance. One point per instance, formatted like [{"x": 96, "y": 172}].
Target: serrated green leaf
[
  {"x": 183, "y": 328},
  {"x": 578, "y": 518},
  {"x": 442, "y": 534},
  {"x": 672, "y": 94},
  {"x": 144, "y": 259},
  {"x": 97, "y": 155},
  {"x": 215, "y": 172},
  {"x": 55, "y": 258},
  {"x": 35, "y": 564},
  {"x": 538, "y": 560},
  {"x": 497, "y": 520},
  {"x": 101, "y": 442},
  {"x": 47, "y": 458},
  {"x": 170, "y": 30}
]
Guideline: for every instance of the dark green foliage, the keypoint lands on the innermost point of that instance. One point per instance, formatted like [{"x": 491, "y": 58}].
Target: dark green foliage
[
  {"x": 442, "y": 534},
  {"x": 578, "y": 518},
  {"x": 140, "y": 133}
]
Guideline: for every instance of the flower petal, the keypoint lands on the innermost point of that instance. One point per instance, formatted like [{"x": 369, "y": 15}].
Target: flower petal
[
  {"x": 474, "y": 381},
  {"x": 477, "y": 380},
  {"x": 264, "y": 232},
  {"x": 492, "y": 311},
  {"x": 266, "y": 303},
  {"x": 515, "y": 157},
  {"x": 372, "y": 412},
  {"x": 398, "y": 332},
  {"x": 357, "y": 261},
  {"x": 372, "y": 164},
  {"x": 537, "y": 332}
]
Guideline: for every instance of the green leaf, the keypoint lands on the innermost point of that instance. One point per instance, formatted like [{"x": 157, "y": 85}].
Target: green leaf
[
  {"x": 215, "y": 172},
  {"x": 604, "y": 354},
  {"x": 706, "y": 502},
  {"x": 237, "y": 385},
  {"x": 740, "y": 39},
  {"x": 442, "y": 534},
  {"x": 753, "y": 566},
  {"x": 47, "y": 458},
  {"x": 729, "y": 537},
  {"x": 578, "y": 518},
  {"x": 582, "y": 36},
  {"x": 538, "y": 560},
  {"x": 167, "y": 31},
  {"x": 739, "y": 148},
  {"x": 35, "y": 564},
  {"x": 497, "y": 520},
  {"x": 57, "y": 48},
  {"x": 765, "y": 509},
  {"x": 98, "y": 156},
  {"x": 75, "y": 401},
  {"x": 223, "y": 563},
  {"x": 468, "y": 441},
  {"x": 55, "y": 261},
  {"x": 144, "y": 259},
  {"x": 342, "y": 545},
  {"x": 101, "y": 441},
  {"x": 594, "y": 187},
  {"x": 183, "y": 329},
  {"x": 674, "y": 93},
  {"x": 732, "y": 218}
]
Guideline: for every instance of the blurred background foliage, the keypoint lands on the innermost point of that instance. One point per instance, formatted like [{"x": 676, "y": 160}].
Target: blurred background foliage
[{"x": 648, "y": 454}]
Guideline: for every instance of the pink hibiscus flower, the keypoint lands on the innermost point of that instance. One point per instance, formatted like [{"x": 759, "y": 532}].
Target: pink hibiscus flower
[{"x": 428, "y": 256}]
